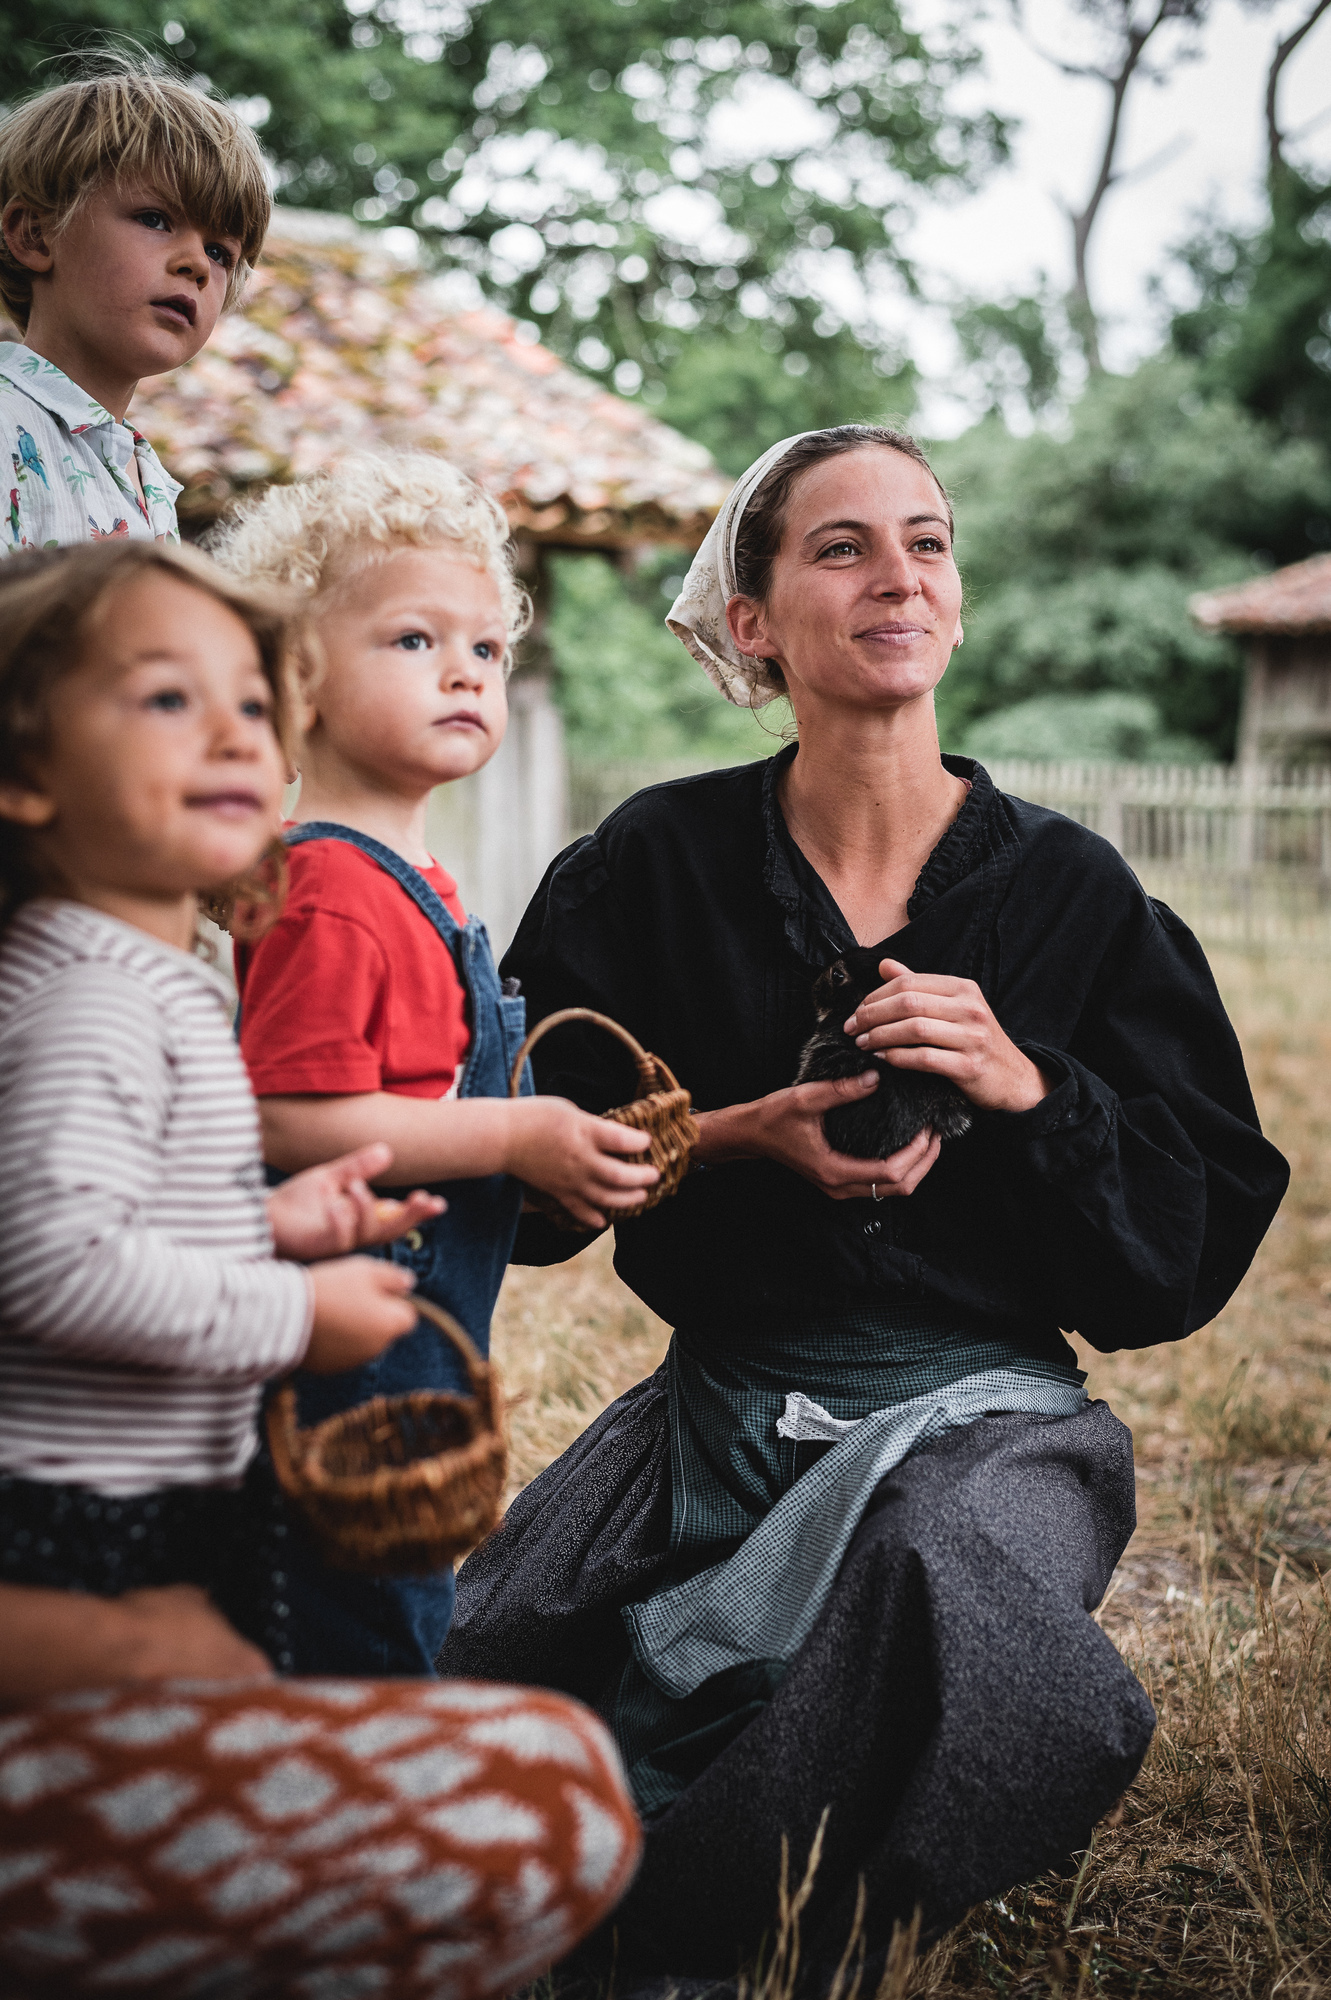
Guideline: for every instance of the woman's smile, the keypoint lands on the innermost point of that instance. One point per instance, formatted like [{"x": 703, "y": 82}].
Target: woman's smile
[{"x": 893, "y": 632}]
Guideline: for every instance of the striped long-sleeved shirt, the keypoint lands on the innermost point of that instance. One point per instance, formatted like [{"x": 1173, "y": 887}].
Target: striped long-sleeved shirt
[{"x": 141, "y": 1305}]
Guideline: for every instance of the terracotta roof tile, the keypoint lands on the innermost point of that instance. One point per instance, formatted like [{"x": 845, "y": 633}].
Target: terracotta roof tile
[
  {"x": 339, "y": 345},
  {"x": 1295, "y": 599}
]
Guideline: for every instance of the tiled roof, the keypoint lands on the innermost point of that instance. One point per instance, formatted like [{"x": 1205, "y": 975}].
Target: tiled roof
[
  {"x": 340, "y": 345},
  {"x": 1296, "y": 599}
]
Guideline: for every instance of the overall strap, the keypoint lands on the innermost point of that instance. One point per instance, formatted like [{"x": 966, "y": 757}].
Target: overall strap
[{"x": 410, "y": 879}]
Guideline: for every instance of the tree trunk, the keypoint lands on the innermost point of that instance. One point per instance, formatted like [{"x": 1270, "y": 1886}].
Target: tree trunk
[
  {"x": 1081, "y": 313},
  {"x": 1275, "y": 138}
]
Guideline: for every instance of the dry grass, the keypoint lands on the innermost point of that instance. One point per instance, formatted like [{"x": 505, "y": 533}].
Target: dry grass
[{"x": 1210, "y": 1878}]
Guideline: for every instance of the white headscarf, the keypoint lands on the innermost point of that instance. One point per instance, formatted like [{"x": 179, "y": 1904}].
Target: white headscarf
[{"x": 698, "y": 614}]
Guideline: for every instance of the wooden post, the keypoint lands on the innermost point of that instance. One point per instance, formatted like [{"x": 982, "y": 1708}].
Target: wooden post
[{"x": 1253, "y": 716}]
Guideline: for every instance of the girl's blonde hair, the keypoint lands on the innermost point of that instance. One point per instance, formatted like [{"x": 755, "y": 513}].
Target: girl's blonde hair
[
  {"x": 128, "y": 122},
  {"x": 48, "y": 601},
  {"x": 312, "y": 537}
]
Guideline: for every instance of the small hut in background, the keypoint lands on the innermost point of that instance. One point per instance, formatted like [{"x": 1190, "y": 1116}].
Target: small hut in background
[
  {"x": 342, "y": 346},
  {"x": 1284, "y": 619}
]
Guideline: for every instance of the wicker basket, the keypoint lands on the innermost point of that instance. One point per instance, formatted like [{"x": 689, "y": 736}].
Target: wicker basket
[
  {"x": 661, "y": 1109},
  {"x": 402, "y": 1485}
]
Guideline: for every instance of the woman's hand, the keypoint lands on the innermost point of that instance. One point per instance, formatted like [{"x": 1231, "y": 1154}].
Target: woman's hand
[
  {"x": 57, "y": 1640},
  {"x": 924, "y": 1021},
  {"x": 787, "y": 1126},
  {"x": 330, "y": 1210},
  {"x": 584, "y": 1161}
]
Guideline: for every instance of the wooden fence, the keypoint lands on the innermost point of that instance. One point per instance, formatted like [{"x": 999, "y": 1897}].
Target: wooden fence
[{"x": 1244, "y": 856}]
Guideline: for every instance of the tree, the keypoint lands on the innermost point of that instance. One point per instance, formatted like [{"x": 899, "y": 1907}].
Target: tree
[
  {"x": 1080, "y": 553},
  {"x": 627, "y": 174},
  {"x": 739, "y": 391},
  {"x": 1011, "y": 349},
  {"x": 1275, "y": 138},
  {"x": 1124, "y": 36},
  {"x": 626, "y": 686},
  {"x": 1259, "y": 321}
]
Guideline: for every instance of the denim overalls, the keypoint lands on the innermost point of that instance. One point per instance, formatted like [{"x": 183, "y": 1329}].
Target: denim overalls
[{"x": 346, "y": 1624}]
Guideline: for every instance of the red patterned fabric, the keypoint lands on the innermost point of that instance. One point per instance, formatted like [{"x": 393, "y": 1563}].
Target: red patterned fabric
[{"x": 317, "y": 1840}]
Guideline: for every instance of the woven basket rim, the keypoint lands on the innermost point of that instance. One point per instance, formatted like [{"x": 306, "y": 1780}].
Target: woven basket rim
[
  {"x": 431, "y": 1472},
  {"x": 645, "y": 1060},
  {"x": 297, "y": 1450}
]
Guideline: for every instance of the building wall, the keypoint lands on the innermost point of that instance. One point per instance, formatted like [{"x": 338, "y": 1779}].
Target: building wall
[
  {"x": 497, "y": 831},
  {"x": 1287, "y": 700}
]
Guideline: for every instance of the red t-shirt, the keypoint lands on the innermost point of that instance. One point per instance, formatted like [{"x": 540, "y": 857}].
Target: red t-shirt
[{"x": 353, "y": 989}]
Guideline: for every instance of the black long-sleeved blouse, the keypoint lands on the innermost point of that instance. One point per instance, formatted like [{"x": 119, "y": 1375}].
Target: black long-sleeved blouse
[{"x": 1127, "y": 1205}]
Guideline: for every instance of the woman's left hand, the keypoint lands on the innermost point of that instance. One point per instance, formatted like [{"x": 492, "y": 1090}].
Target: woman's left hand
[
  {"x": 331, "y": 1210},
  {"x": 925, "y": 1021}
]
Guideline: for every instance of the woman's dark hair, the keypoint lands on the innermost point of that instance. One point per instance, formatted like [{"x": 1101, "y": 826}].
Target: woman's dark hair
[
  {"x": 48, "y": 599},
  {"x": 763, "y": 521}
]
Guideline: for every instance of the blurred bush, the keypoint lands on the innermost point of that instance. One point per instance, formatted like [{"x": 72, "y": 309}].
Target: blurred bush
[
  {"x": 1094, "y": 728},
  {"x": 625, "y": 685}
]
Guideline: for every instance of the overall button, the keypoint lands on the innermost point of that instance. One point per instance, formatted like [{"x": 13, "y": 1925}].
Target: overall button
[
  {"x": 414, "y": 1240},
  {"x": 874, "y": 1227}
]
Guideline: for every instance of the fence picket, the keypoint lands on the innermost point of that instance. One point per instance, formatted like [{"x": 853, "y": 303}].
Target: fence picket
[{"x": 1243, "y": 854}]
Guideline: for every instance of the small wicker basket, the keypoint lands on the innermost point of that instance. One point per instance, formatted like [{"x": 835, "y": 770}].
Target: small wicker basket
[
  {"x": 401, "y": 1485},
  {"x": 661, "y": 1109}
]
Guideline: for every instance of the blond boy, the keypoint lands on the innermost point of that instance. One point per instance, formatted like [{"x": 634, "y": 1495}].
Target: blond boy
[
  {"x": 373, "y": 1005},
  {"x": 132, "y": 209}
]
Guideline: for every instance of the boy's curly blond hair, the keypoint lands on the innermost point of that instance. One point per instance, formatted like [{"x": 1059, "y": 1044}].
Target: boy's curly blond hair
[
  {"x": 127, "y": 121},
  {"x": 311, "y": 537}
]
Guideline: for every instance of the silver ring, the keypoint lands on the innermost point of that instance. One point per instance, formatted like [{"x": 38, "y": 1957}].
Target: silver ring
[{"x": 873, "y": 1189}]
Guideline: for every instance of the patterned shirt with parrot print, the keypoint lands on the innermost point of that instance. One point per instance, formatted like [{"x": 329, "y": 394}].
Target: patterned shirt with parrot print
[{"x": 64, "y": 463}]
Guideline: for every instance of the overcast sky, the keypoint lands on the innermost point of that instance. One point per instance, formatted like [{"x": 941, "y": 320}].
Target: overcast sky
[{"x": 999, "y": 240}]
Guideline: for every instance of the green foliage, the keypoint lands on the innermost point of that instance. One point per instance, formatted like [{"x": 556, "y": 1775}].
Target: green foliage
[
  {"x": 567, "y": 157},
  {"x": 1080, "y": 552},
  {"x": 1091, "y": 728},
  {"x": 1260, "y": 328},
  {"x": 626, "y": 686},
  {"x": 1010, "y": 350},
  {"x": 737, "y": 394}
]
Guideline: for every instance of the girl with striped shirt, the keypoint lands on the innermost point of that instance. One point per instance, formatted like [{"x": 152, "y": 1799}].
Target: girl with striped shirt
[{"x": 148, "y": 1283}]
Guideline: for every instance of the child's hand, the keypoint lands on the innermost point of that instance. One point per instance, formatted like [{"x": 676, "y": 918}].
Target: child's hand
[
  {"x": 577, "y": 1158},
  {"x": 175, "y": 1633},
  {"x": 361, "y": 1306},
  {"x": 327, "y": 1211}
]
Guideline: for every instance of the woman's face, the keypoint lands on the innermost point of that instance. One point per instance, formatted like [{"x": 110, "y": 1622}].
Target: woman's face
[{"x": 864, "y": 606}]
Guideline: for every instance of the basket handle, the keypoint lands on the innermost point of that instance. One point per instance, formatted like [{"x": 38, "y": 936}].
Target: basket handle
[
  {"x": 477, "y": 1371},
  {"x": 651, "y": 1069}
]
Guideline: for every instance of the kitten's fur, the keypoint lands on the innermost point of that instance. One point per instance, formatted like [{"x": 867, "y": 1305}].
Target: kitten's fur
[{"x": 906, "y": 1100}]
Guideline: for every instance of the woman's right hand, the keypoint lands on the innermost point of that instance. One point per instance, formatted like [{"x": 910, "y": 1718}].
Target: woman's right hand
[
  {"x": 787, "y": 1126},
  {"x": 361, "y": 1306},
  {"x": 578, "y": 1158}
]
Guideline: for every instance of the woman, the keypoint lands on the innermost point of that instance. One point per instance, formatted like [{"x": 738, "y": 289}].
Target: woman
[
  {"x": 174, "y": 1820},
  {"x": 841, "y": 1551}
]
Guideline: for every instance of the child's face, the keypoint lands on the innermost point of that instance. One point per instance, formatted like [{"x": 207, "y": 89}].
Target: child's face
[
  {"x": 165, "y": 776},
  {"x": 130, "y": 283},
  {"x": 412, "y": 694}
]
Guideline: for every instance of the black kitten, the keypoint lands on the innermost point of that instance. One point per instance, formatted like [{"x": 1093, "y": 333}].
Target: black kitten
[{"x": 906, "y": 1100}]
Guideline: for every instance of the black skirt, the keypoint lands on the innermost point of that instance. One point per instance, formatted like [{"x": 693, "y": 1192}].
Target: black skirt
[
  {"x": 956, "y": 1711},
  {"x": 231, "y": 1542}
]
